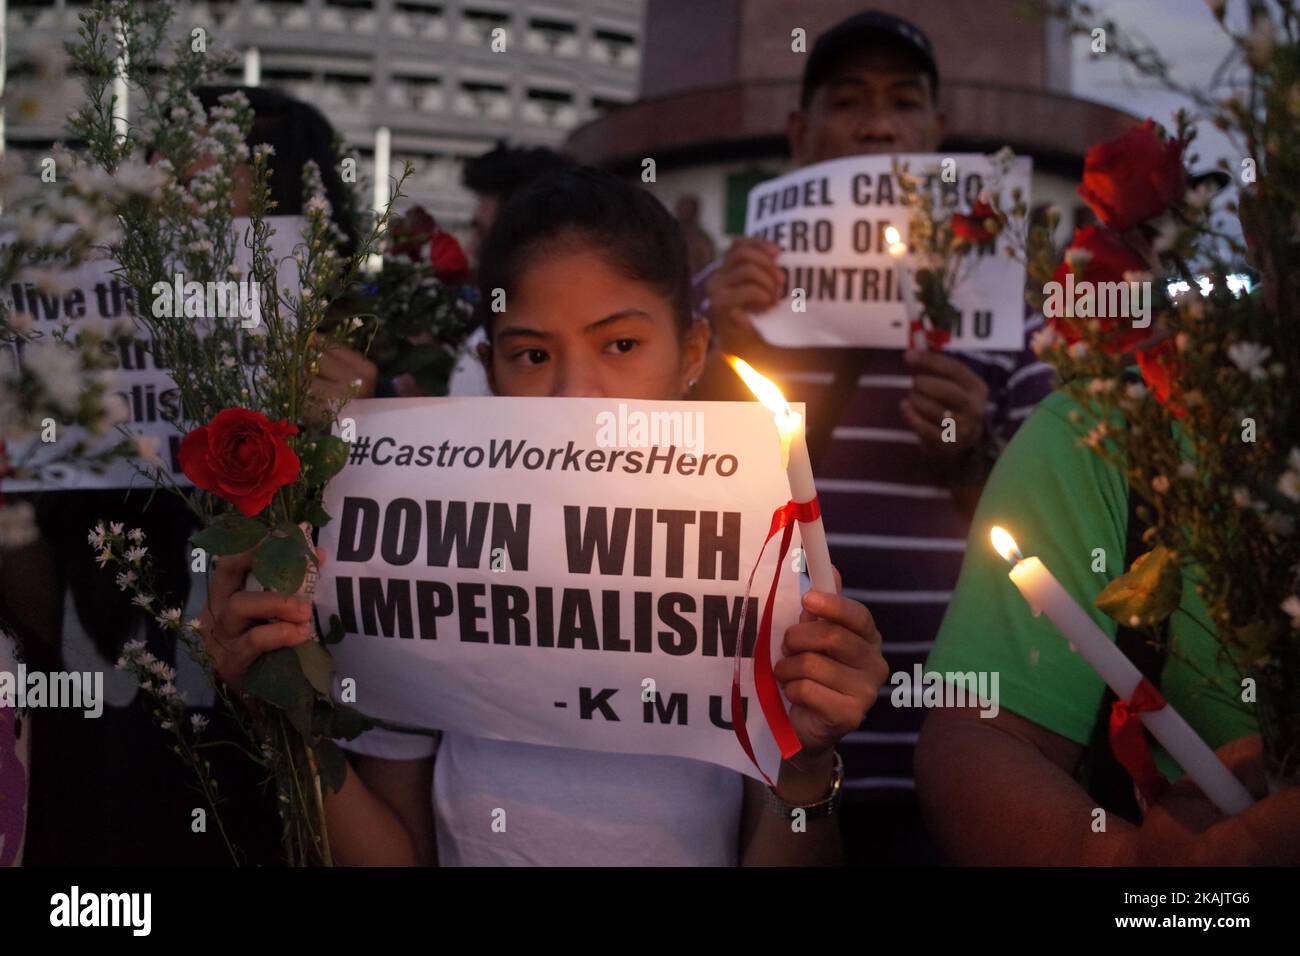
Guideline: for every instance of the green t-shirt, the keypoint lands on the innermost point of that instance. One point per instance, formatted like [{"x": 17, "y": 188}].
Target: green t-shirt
[{"x": 1061, "y": 502}]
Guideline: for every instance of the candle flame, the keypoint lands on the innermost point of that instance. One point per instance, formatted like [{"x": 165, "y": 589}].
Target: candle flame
[
  {"x": 764, "y": 388},
  {"x": 1005, "y": 545},
  {"x": 895, "y": 239}
]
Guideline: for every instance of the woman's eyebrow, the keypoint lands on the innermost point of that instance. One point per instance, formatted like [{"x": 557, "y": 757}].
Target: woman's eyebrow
[
  {"x": 625, "y": 314},
  {"x": 519, "y": 331}
]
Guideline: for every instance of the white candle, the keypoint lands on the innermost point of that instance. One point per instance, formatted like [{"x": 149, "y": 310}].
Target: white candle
[
  {"x": 798, "y": 468},
  {"x": 252, "y": 67},
  {"x": 1046, "y": 596},
  {"x": 898, "y": 249}
]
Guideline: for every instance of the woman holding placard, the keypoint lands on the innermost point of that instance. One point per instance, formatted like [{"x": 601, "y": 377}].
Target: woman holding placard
[{"x": 595, "y": 278}]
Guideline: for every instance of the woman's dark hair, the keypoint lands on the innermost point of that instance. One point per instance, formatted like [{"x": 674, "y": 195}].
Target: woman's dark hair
[
  {"x": 629, "y": 227},
  {"x": 297, "y": 132}
]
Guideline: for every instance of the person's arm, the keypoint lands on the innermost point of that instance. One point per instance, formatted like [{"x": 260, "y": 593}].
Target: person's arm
[
  {"x": 769, "y": 838},
  {"x": 1001, "y": 791},
  {"x": 383, "y": 815},
  {"x": 831, "y": 672}
]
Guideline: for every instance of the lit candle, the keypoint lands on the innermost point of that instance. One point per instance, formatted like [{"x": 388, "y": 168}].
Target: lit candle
[
  {"x": 1046, "y": 596},
  {"x": 898, "y": 249},
  {"x": 798, "y": 468}
]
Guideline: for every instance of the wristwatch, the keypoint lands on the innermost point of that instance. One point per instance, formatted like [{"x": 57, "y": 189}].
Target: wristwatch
[{"x": 824, "y": 807}]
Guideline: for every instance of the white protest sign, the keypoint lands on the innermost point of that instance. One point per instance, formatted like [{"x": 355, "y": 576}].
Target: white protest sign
[
  {"x": 92, "y": 293},
  {"x": 830, "y": 221},
  {"x": 555, "y": 572}
]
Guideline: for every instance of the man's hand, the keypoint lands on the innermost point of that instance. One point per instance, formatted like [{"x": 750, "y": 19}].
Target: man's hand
[
  {"x": 1185, "y": 829},
  {"x": 944, "y": 388},
  {"x": 343, "y": 373},
  {"x": 748, "y": 281}
]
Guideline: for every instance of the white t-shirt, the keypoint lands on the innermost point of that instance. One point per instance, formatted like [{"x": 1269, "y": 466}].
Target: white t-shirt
[
  {"x": 468, "y": 377},
  {"x": 500, "y": 803}
]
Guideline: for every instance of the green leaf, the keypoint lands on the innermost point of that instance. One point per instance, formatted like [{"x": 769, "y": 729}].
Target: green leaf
[
  {"x": 322, "y": 457},
  {"x": 330, "y": 764},
  {"x": 335, "y": 632},
  {"x": 339, "y": 721},
  {"x": 315, "y": 514},
  {"x": 280, "y": 561},
  {"x": 230, "y": 534},
  {"x": 276, "y": 678},
  {"x": 1148, "y": 593},
  {"x": 317, "y": 665}
]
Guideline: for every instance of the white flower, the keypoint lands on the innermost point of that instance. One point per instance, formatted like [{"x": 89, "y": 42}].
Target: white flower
[
  {"x": 1160, "y": 483},
  {"x": 104, "y": 557},
  {"x": 170, "y": 616},
  {"x": 135, "y": 555},
  {"x": 1187, "y": 470},
  {"x": 57, "y": 368},
  {"x": 113, "y": 412},
  {"x": 1250, "y": 357},
  {"x": 1292, "y": 608},
  {"x": 1241, "y": 497},
  {"x": 96, "y": 536},
  {"x": 135, "y": 535},
  {"x": 198, "y": 722},
  {"x": 142, "y": 600},
  {"x": 125, "y": 579},
  {"x": 1078, "y": 350},
  {"x": 115, "y": 527},
  {"x": 1078, "y": 260},
  {"x": 131, "y": 648},
  {"x": 139, "y": 179},
  {"x": 147, "y": 447},
  {"x": 1289, "y": 485},
  {"x": 1136, "y": 391}
]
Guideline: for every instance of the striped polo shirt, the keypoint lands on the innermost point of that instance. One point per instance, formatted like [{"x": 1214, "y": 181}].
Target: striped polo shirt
[{"x": 896, "y": 534}]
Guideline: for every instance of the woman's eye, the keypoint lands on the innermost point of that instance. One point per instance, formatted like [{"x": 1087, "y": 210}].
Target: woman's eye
[
  {"x": 530, "y": 356},
  {"x": 623, "y": 346}
]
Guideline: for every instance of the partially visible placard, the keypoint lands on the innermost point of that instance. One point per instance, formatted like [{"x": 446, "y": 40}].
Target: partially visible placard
[{"x": 830, "y": 221}]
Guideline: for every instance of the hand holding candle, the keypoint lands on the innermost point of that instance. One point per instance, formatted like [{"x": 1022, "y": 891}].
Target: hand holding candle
[
  {"x": 798, "y": 466},
  {"x": 1046, "y": 596}
]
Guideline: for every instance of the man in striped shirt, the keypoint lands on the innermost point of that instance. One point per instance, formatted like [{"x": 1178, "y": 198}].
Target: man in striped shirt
[{"x": 896, "y": 498}]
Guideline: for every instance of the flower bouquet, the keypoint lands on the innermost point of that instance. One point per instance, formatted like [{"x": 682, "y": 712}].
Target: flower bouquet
[
  {"x": 423, "y": 303},
  {"x": 1207, "y": 431},
  {"x": 947, "y": 244},
  {"x": 243, "y": 385}
]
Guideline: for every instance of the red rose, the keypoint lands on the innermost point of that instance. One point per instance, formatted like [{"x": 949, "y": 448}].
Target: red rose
[
  {"x": 1134, "y": 178},
  {"x": 1159, "y": 367},
  {"x": 417, "y": 236},
  {"x": 972, "y": 227},
  {"x": 240, "y": 456},
  {"x": 448, "y": 259},
  {"x": 1110, "y": 258}
]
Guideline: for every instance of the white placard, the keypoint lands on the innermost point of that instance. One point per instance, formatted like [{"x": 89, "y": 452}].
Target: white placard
[
  {"x": 503, "y": 570},
  {"x": 93, "y": 293},
  {"x": 830, "y": 221}
]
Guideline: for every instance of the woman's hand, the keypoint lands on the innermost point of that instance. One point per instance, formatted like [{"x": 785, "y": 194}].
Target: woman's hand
[
  {"x": 238, "y": 626},
  {"x": 832, "y": 669}
]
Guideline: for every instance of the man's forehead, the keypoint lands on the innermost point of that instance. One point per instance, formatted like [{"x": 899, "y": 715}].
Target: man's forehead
[{"x": 877, "y": 64}]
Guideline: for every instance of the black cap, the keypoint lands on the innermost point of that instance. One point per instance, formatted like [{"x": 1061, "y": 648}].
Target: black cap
[{"x": 869, "y": 26}]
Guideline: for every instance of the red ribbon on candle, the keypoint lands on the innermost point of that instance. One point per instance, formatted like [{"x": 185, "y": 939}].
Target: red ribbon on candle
[
  {"x": 925, "y": 338},
  {"x": 769, "y": 695},
  {"x": 1128, "y": 739}
]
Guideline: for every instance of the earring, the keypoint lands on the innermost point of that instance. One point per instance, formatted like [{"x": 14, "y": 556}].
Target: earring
[{"x": 690, "y": 385}]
